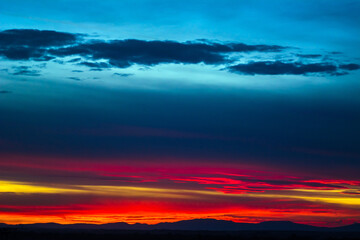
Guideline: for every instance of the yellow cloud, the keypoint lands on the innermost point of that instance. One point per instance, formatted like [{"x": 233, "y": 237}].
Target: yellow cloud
[{"x": 23, "y": 188}]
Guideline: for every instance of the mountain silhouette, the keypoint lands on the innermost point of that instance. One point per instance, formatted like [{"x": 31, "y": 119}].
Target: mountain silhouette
[
  {"x": 192, "y": 225},
  {"x": 204, "y": 224},
  {"x": 284, "y": 225},
  {"x": 349, "y": 228}
]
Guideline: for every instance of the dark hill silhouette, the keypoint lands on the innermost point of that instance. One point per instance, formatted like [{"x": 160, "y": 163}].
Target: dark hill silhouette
[
  {"x": 191, "y": 225},
  {"x": 349, "y": 228},
  {"x": 204, "y": 224},
  {"x": 3, "y": 225},
  {"x": 285, "y": 225}
]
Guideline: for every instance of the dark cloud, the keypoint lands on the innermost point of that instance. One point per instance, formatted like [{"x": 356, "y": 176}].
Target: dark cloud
[
  {"x": 350, "y": 66},
  {"x": 25, "y": 71},
  {"x": 74, "y": 60},
  {"x": 24, "y": 53},
  {"x": 35, "y": 38},
  {"x": 25, "y": 44},
  {"x": 351, "y": 192},
  {"x": 124, "y": 53},
  {"x": 30, "y": 44},
  {"x": 95, "y": 64},
  {"x": 96, "y": 69},
  {"x": 75, "y": 78},
  {"x": 4, "y": 91},
  {"x": 291, "y": 68},
  {"x": 123, "y": 74},
  {"x": 309, "y": 55}
]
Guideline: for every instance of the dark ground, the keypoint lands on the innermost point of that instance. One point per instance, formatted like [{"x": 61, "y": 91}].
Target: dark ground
[{"x": 17, "y": 234}]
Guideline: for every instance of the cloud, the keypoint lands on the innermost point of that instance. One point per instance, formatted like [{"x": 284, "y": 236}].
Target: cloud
[
  {"x": 24, "y": 53},
  {"x": 290, "y": 68},
  {"x": 35, "y": 38},
  {"x": 74, "y": 60},
  {"x": 241, "y": 185},
  {"x": 350, "y": 66},
  {"x": 95, "y": 64},
  {"x": 4, "y": 92},
  {"x": 25, "y": 44},
  {"x": 37, "y": 45},
  {"x": 309, "y": 55},
  {"x": 31, "y": 44},
  {"x": 25, "y": 71},
  {"x": 77, "y": 171},
  {"x": 74, "y": 78},
  {"x": 351, "y": 192},
  {"x": 124, "y": 74},
  {"x": 124, "y": 53}
]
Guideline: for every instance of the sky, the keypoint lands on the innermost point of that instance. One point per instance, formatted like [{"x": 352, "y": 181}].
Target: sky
[{"x": 160, "y": 111}]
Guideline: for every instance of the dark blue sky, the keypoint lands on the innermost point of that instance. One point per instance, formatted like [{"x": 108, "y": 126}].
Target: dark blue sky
[{"x": 275, "y": 82}]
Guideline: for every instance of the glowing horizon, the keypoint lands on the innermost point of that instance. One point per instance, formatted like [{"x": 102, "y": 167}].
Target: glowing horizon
[{"x": 169, "y": 194}]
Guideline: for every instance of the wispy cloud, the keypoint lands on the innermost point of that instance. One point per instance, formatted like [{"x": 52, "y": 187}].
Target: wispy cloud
[{"x": 25, "y": 71}]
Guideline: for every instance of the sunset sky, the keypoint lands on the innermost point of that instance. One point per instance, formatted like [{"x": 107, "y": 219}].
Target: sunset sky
[{"x": 153, "y": 111}]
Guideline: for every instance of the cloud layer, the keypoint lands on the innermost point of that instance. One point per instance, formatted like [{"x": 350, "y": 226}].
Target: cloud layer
[
  {"x": 36, "y": 45},
  {"x": 293, "y": 68}
]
